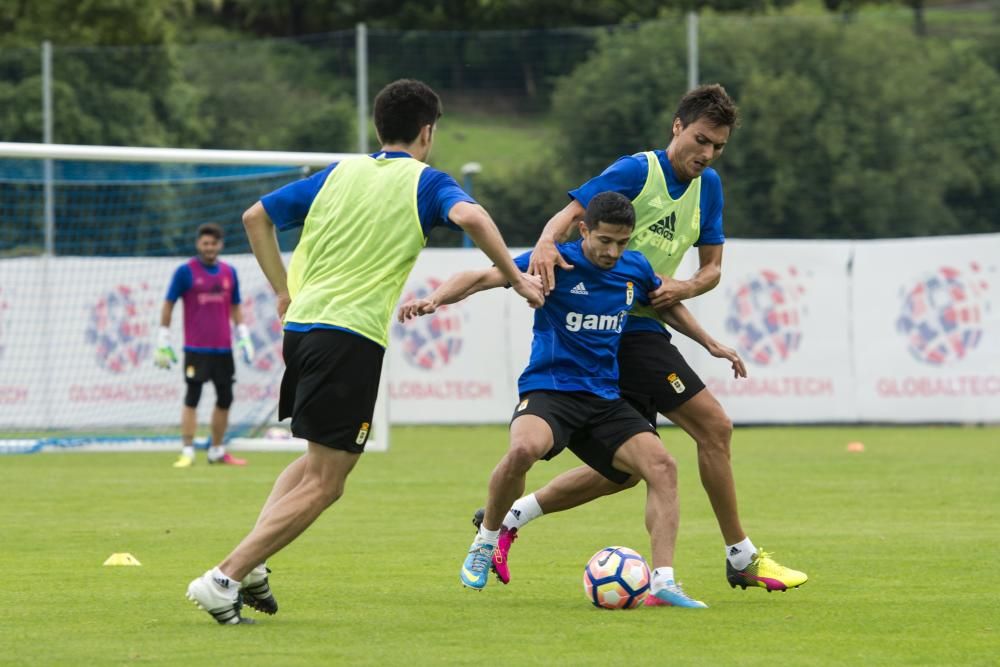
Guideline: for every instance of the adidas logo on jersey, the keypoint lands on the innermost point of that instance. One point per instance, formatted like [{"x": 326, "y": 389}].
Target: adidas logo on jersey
[
  {"x": 578, "y": 321},
  {"x": 580, "y": 289}
]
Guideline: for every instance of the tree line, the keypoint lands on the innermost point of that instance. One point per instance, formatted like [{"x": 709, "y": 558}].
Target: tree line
[{"x": 856, "y": 126}]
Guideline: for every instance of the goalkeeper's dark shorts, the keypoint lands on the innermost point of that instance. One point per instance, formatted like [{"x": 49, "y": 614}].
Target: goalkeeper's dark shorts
[
  {"x": 201, "y": 367},
  {"x": 329, "y": 387}
]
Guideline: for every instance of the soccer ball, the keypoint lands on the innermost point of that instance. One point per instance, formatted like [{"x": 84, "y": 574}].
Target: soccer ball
[{"x": 616, "y": 578}]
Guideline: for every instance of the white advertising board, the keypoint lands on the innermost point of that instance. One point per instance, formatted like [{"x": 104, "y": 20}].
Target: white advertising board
[
  {"x": 875, "y": 331},
  {"x": 926, "y": 324},
  {"x": 784, "y": 306},
  {"x": 452, "y": 366},
  {"x": 78, "y": 336}
]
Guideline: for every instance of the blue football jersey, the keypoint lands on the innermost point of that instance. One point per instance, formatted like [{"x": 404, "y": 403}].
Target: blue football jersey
[{"x": 577, "y": 331}]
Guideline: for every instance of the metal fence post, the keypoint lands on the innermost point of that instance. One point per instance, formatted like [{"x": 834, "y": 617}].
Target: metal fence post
[
  {"x": 469, "y": 170},
  {"x": 692, "y": 35},
  {"x": 50, "y": 210},
  {"x": 50, "y": 220},
  {"x": 361, "y": 47}
]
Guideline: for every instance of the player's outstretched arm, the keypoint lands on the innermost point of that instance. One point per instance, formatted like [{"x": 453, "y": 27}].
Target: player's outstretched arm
[
  {"x": 545, "y": 257},
  {"x": 264, "y": 242},
  {"x": 478, "y": 224},
  {"x": 457, "y": 288},
  {"x": 680, "y": 319}
]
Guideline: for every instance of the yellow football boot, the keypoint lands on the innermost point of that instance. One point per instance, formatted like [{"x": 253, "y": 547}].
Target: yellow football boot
[
  {"x": 183, "y": 462},
  {"x": 764, "y": 572}
]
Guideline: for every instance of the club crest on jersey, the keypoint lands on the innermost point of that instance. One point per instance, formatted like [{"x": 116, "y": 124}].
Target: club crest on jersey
[
  {"x": 362, "y": 434},
  {"x": 676, "y": 383},
  {"x": 629, "y": 294}
]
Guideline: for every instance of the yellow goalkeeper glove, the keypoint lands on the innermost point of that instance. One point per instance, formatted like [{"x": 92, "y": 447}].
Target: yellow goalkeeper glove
[
  {"x": 245, "y": 343},
  {"x": 164, "y": 357}
]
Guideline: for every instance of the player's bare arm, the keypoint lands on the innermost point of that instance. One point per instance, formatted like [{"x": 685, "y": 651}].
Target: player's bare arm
[
  {"x": 459, "y": 287},
  {"x": 680, "y": 319},
  {"x": 263, "y": 239},
  {"x": 236, "y": 314},
  {"x": 166, "y": 313},
  {"x": 477, "y": 223},
  {"x": 704, "y": 279},
  {"x": 545, "y": 257}
]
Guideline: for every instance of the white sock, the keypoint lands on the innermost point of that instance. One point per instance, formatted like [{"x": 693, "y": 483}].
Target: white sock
[
  {"x": 216, "y": 452},
  {"x": 661, "y": 577},
  {"x": 524, "y": 510},
  {"x": 188, "y": 451},
  {"x": 488, "y": 536},
  {"x": 224, "y": 582},
  {"x": 741, "y": 553},
  {"x": 256, "y": 574}
]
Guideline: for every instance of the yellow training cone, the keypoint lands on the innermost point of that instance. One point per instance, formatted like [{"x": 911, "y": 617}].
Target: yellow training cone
[{"x": 122, "y": 559}]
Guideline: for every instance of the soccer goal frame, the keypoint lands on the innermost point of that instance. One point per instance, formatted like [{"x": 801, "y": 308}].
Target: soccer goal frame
[{"x": 258, "y": 437}]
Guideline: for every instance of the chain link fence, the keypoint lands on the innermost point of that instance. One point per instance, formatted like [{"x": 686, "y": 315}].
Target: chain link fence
[{"x": 545, "y": 109}]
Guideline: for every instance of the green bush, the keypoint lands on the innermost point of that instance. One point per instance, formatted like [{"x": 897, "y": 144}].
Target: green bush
[
  {"x": 850, "y": 130},
  {"x": 267, "y": 96}
]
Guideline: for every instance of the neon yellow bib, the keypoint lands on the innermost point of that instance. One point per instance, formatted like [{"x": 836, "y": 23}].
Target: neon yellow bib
[
  {"x": 664, "y": 227},
  {"x": 359, "y": 243}
]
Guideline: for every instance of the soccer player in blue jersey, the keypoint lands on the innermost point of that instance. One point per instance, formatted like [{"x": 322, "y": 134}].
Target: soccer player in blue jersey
[
  {"x": 364, "y": 220},
  {"x": 210, "y": 290},
  {"x": 678, "y": 201},
  {"x": 570, "y": 387}
]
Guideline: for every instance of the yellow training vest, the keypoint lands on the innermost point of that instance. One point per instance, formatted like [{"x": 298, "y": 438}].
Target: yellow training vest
[
  {"x": 664, "y": 227},
  {"x": 359, "y": 243}
]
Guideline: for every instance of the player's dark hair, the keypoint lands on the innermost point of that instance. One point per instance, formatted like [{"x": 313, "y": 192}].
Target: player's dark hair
[
  {"x": 402, "y": 108},
  {"x": 210, "y": 229},
  {"x": 711, "y": 102},
  {"x": 610, "y": 208}
]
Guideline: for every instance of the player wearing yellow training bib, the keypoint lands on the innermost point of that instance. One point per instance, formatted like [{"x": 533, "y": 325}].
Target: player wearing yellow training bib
[
  {"x": 363, "y": 220},
  {"x": 678, "y": 202}
]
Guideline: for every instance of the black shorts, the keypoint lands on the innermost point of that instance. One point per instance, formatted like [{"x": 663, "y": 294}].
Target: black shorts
[
  {"x": 592, "y": 427},
  {"x": 329, "y": 387},
  {"x": 653, "y": 375},
  {"x": 200, "y": 368}
]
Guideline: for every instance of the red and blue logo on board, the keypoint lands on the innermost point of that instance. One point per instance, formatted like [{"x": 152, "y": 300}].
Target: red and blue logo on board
[
  {"x": 765, "y": 313},
  {"x": 432, "y": 341},
  {"x": 941, "y": 315},
  {"x": 119, "y": 326}
]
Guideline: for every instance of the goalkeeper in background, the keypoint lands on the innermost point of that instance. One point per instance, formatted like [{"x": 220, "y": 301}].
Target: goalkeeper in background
[{"x": 211, "y": 294}]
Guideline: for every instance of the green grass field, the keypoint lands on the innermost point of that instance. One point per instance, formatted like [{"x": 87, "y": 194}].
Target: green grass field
[
  {"x": 498, "y": 143},
  {"x": 898, "y": 542}
]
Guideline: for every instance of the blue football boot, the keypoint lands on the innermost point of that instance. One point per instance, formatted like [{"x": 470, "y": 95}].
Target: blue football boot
[{"x": 476, "y": 568}]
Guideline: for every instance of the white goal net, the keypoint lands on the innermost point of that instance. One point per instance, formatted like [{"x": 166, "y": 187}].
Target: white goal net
[{"x": 90, "y": 238}]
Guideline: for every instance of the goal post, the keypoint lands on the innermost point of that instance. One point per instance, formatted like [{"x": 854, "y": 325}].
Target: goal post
[
  {"x": 16, "y": 150},
  {"x": 90, "y": 240}
]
